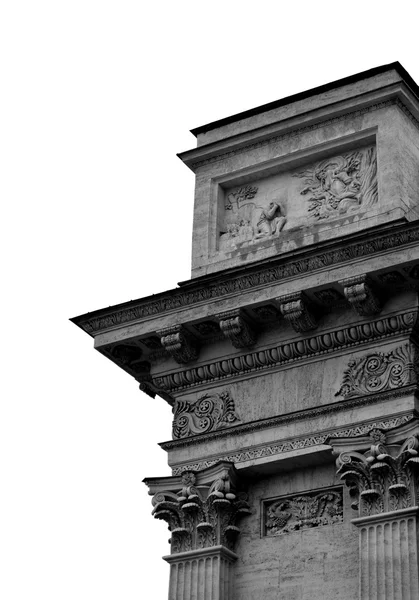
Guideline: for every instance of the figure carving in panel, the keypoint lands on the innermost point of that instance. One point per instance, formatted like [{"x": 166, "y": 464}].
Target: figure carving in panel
[
  {"x": 341, "y": 184},
  {"x": 246, "y": 220}
]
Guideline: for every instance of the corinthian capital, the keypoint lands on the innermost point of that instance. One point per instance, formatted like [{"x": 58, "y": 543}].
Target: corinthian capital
[
  {"x": 201, "y": 509},
  {"x": 383, "y": 479}
]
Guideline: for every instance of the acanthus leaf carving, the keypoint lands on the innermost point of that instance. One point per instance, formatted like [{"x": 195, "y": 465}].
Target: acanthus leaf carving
[
  {"x": 179, "y": 344},
  {"x": 237, "y": 329},
  {"x": 379, "y": 372},
  {"x": 383, "y": 479},
  {"x": 360, "y": 294},
  {"x": 209, "y": 412},
  {"x": 296, "y": 309}
]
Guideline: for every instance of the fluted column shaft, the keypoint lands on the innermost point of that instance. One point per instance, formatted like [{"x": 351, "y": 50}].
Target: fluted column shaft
[
  {"x": 388, "y": 552},
  {"x": 201, "y": 574}
]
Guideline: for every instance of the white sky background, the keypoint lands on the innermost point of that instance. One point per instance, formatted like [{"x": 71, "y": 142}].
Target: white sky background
[{"x": 96, "y": 99}]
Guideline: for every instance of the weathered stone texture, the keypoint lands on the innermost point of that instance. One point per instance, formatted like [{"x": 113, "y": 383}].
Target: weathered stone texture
[{"x": 319, "y": 562}]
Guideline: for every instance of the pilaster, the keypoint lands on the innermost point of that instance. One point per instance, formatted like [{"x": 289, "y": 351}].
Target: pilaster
[
  {"x": 205, "y": 574},
  {"x": 384, "y": 484},
  {"x": 202, "y": 511},
  {"x": 388, "y": 551}
]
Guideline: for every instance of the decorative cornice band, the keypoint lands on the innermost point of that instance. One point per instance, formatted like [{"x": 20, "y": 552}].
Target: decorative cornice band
[
  {"x": 275, "y": 138},
  {"x": 302, "y": 415},
  {"x": 322, "y": 343},
  {"x": 290, "y": 444},
  {"x": 179, "y": 297}
]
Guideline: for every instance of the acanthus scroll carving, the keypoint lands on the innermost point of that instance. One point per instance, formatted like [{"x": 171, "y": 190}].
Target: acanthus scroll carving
[
  {"x": 209, "y": 412},
  {"x": 303, "y": 511},
  {"x": 384, "y": 479},
  {"x": 379, "y": 371},
  {"x": 202, "y": 516},
  {"x": 342, "y": 184}
]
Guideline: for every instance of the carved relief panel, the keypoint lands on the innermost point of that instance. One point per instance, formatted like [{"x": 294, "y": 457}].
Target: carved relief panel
[
  {"x": 262, "y": 209},
  {"x": 302, "y": 511}
]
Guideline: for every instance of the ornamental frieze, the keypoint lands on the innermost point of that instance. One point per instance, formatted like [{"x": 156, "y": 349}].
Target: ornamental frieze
[
  {"x": 288, "y": 445},
  {"x": 379, "y": 372},
  {"x": 209, "y": 412},
  {"x": 303, "y": 511}
]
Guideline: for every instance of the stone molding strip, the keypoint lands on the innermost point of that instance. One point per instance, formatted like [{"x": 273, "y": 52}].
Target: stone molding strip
[
  {"x": 301, "y": 415},
  {"x": 275, "y": 138},
  {"x": 322, "y": 343},
  {"x": 204, "y": 292},
  {"x": 296, "y": 443}
]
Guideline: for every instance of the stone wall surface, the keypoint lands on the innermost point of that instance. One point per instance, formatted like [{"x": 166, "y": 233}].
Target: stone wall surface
[{"x": 312, "y": 563}]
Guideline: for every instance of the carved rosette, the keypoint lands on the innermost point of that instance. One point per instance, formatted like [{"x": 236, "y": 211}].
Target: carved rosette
[
  {"x": 296, "y": 309},
  {"x": 209, "y": 412},
  {"x": 379, "y": 372},
  {"x": 237, "y": 329},
  {"x": 203, "y": 516},
  {"x": 303, "y": 511},
  {"x": 179, "y": 344},
  {"x": 360, "y": 294},
  {"x": 383, "y": 479}
]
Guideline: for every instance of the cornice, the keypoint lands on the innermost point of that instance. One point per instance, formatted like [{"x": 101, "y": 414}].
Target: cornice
[
  {"x": 288, "y": 352},
  {"x": 211, "y": 155},
  {"x": 298, "y": 443},
  {"x": 291, "y": 133},
  {"x": 308, "y": 94},
  {"x": 232, "y": 282}
]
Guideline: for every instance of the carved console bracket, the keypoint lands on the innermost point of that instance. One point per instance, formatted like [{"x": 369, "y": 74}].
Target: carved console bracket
[
  {"x": 360, "y": 294},
  {"x": 179, "y": 344},
  {"x": 296, "y": 309},
  {"x": 237, "y": 329}
]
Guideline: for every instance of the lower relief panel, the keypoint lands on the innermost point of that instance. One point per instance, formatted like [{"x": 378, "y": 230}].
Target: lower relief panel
[{"x": 299, "y": 543}]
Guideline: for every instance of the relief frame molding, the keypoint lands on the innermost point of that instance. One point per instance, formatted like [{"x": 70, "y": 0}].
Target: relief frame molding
[{"x": 281, "y": 164}]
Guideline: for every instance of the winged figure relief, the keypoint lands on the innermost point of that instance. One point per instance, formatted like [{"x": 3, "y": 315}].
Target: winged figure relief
[{"x": 341, "y": 184}]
